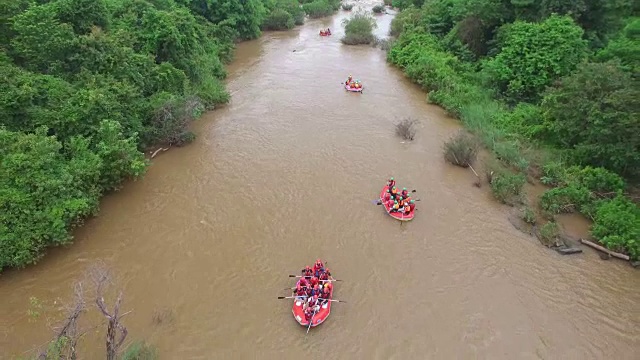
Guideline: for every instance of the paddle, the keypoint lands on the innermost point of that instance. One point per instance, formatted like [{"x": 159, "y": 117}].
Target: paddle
[
  {"x": 304, "y": 296},
  {"x": 340, "y": 301},
  {"x": 299, "y": 276},
  {"x": 379, "y": 202},
  {"x": 290, "y": 297}
]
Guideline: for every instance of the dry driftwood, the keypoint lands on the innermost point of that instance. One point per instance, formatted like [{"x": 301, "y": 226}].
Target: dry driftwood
[
  {"x": 114, "y": 340},
  {"x": 69, "y": 328},
  {"x": 605, "y": 250},
  {"x": 157, "y": 151}
]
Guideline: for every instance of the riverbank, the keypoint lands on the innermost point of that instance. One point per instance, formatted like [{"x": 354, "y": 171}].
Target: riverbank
[
  {"x": 516, "y": 134},
  {"x": 93, "y": 93}
]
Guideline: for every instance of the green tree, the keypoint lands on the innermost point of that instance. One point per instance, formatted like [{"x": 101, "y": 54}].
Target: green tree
[
  {"x": 119, "y": 155},
  {"x": 41, "y": 42},
  {"x": 533, "y": 55},
  {"x": 244, "y": 15},
  {"x": 625, "y": 48},
  {"x": 82, "y": 14},
  {"x": 29, "y": 100},
  {"x": 41, "y": 193},
  {"x": 602, "y": 18},
  {"x": 278, "y": 19},
  {"x": 9, "y": 9},
  {"x": 596, "y": 113}
]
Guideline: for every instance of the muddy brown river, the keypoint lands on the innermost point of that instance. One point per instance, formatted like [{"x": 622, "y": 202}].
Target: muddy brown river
[{"x": 286, "y": 174}]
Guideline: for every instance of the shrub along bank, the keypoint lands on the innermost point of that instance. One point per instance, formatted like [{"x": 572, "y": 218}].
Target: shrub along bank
[
  {"x": 320, "y": 8},
  {"x": 90, "y": 84},
  {"x": 358, "y": 29},
  {"x": 551, "y": 88}
]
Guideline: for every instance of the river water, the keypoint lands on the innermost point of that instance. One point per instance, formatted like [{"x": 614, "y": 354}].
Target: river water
[{"x": 286, "y": 174}]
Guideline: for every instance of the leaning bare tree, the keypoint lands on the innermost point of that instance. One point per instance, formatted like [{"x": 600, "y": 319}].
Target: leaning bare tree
[
  {"x": 116, "y": 332},
  {"x": 65, "y": 342}
]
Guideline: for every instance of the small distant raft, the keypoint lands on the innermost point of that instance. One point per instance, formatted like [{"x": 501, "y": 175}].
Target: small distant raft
[
  {"x": 353, "y": 89},
  {"x": 353, "y": 85},
  {"x": 396, "y": 215},
  {"x": 325, "y": 32}
]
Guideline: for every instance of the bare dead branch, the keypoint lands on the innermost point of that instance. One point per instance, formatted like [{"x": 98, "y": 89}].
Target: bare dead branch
[
  {"x": 68, "y": 331},
  {"x": 159, "y": 149},
  {"x": 116, "y": 332}
]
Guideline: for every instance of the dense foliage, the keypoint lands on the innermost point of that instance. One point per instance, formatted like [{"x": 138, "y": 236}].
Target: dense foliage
[
  {"x": 321, "y": 8},
  {"x": 88, "y": 86},
  {"x": 551, "y": 87},
  {"x": 283, "y": 14},
  {"x": 358, "y": 29}
]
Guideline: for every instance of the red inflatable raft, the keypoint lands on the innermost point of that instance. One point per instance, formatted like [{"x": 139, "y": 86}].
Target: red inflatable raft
[
  {"x": 318, "y": 318},
  {"x": 395, "y": 215},
  {"x": 349, "y": 88}
]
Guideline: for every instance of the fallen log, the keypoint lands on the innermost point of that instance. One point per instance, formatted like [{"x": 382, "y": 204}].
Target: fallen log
[
  {"x": 605, "y": 250},
  {"x": 568, "y": 251},
  {"x": 157, "y": 151}
]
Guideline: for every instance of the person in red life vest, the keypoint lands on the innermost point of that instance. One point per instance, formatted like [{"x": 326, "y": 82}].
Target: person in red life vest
[
  {"x": 314, "y": 281},
  {"x": 302, "y": 283},
  {"x": 407, "y": 209},
  {"x": 307, "y": 271},
  {"x": 391, "y": 183},
  {"x": 386, "y": 196},
  {"x": 328, "y": 286},
  {"x": 301, "y": 291},
  {"x": 412, "y": 205},
  {"x": 317, "y": 267},
  {"x": 404, "y": 193},
  {"x": 316, "y": 291},
  {"x": 324, "y": 275},
  {"x": 309, "y": 311},
  {"x": 312, "y": 301},
  {"x": 389, "y": 203},
  {"x": 326, "y": 294}
]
